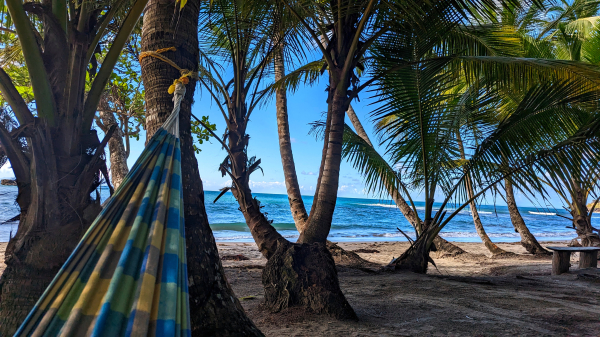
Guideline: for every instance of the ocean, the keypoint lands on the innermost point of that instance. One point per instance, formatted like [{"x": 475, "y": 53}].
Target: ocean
[{"x": 354, "y": 220}]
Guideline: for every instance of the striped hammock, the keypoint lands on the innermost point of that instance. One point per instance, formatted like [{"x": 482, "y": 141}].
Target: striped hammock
[{"x": 128, "y": 275}]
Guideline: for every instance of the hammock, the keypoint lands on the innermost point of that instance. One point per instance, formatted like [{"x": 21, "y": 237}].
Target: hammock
[{"x": 128, "y": 275}]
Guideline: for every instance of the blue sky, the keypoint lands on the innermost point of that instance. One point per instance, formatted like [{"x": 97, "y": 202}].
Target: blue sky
[{"x": 304, "y": 106}]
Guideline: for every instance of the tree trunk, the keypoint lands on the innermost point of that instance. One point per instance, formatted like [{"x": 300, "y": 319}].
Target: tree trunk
[
  {"x": 285, "y": 148},
  {"x": 492, "y": 247},
  {"x": 441, "y": 245},
  {"x": 527, "y": 239},
  {"x": 56, "y": 209},
  {"x": 215, "y": 310},
  {"x": 415, "y": 258},
  {"x": 582, "y": 219},
  {"x": 289, "y": 170},
  {"x": 116, "y": 149},
  {"x": 304, "y": 275},
  {"x": 319, "y": 222}
]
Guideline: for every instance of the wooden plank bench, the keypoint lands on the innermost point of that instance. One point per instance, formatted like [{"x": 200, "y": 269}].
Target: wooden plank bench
[{"x": 588, "y": 258}]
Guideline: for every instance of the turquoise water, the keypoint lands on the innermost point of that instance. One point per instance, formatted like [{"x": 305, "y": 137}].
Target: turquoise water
[{"x": 354, "y": 220}]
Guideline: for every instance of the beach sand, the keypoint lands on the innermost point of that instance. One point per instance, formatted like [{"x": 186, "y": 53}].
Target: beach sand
[{"x": 473, "y": 295}]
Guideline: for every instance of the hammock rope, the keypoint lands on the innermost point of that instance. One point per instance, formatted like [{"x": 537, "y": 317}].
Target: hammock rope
[
  {"x": 185, "y": 73},
  {"x": 128, "y": 274}
]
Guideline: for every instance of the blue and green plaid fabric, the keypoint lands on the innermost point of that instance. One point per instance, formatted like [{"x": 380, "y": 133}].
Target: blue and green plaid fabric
[{"x": 128, "y": 275}]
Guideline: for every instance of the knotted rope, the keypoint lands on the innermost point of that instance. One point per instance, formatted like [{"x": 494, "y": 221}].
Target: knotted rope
[
  {"x": 185, "y": 73},
  {"x": 171, "y": 125}
]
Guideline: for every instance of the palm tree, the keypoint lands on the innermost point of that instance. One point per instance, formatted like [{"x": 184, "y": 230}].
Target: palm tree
[
  {"x": 312, "y": 71},
  {"x": 283, "y": 129},
  {"x": 215, "y": 310},
  {"x": 240, "y": 35},
  {"x": 419, "y": 127},
  {"x": 564, "y": 31},
  {"x": 345, "y": 33},
  {"x": 54, "y": 154}
]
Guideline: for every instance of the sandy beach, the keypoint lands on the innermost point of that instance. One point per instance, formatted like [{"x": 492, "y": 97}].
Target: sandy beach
[{"x": 472, "y": 295}]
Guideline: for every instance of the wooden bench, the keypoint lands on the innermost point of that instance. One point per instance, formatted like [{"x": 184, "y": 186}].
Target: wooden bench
[{"x": 561, "y": 258}]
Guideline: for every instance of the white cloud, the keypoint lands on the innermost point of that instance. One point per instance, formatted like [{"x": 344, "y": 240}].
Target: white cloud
[
  {"x": 344, "y": 187},
  {"x": 6, "y": 171},
  {"x": 266, "y": 184},
  {"x": 308, "y": 173},
  {"x": 293, "y": 140}
]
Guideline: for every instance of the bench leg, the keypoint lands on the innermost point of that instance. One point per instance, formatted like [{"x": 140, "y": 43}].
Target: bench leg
[
  {"x": 588, "y": 260},
  {"x": 560, "y": 262}
]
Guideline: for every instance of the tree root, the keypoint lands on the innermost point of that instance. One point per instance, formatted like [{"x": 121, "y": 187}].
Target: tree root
[{"x": 348, "y": 259}]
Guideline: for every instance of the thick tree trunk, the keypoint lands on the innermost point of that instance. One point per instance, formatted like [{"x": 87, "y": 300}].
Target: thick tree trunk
[
  {"x": 116, "y": 149},
  {"x": 492, "y": 247},
  {"x": 528, "y": 241},
  {"x": 441, "y": 245},
  {"x": 285, "y": 148},
  {"x": 56, "y": 209},
  {"x": 215, "y": 310},
  {"x": 304, "y": 275}
]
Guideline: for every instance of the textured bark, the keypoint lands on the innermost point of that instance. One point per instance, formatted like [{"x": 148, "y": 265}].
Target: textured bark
[
  {"x": 319, "y": 222},
  {"x": 492, "y": 247},
  {"x": 445, "y": 248},
  {"x": 582, "y": 219},
  {"x": 441, "y": 245},
  {"x": 215, "y": 310},
  {"x": 528, "y": 241},
  {"x": 116, "y": 149},
  {"x": 264, "y": 234},
  {"x": 415, "y": 258},
  {"x": 349, "y": 259},
  {"x": 285, "y": 148},
  {"x": 304, "y": 275},
  {"x": 56, "y": 209}
]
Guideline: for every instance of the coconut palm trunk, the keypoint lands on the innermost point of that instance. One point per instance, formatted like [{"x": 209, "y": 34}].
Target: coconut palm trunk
[
  {"x": 321, "y": 215},
  {"x": 492, "y": 247},
  {"x": 56, "y": 209},
  {"x": 116, "y": 148},
  {"x": 215, "y": 310},
  {"x": 285, "y": 147},
  {"x": 528, "y": 241},
  {"x": 582, "y": 218}
]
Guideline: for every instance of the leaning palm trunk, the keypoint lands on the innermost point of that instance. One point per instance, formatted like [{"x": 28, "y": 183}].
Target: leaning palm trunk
[
  {"x": 215, "y": 310},
  {"x": 318, "y": 224},
  {"x": 285, "y": 148},
  {"x": 340, "y": 255},
  {"x": 492, "y": 247},
  {"x": 528, "y": 241}
]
